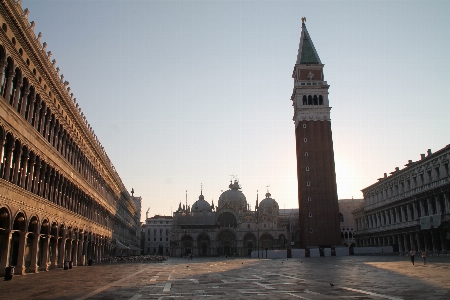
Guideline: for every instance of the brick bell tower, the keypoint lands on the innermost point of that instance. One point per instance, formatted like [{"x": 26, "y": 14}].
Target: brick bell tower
[{"x": 317, "y": 191}]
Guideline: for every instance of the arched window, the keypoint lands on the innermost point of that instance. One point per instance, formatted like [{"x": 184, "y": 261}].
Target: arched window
[
  {"x": 341, "y": 217},
  {"x": 320, "y": 100},
  {"x": 306, "y": 153},
  {"x": 310, "y": 101},
  {"x": 315, "y": 100},
  {"x": 304, "y": 100}
]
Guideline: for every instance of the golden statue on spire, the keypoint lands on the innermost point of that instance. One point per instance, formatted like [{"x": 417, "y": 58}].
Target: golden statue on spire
[{"x": 303, "y": 19}]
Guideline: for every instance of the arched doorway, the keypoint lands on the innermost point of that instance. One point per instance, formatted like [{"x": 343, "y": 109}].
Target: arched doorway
[
  {"x": 19, "y": 227},
  {"x": 203, "y": 244},
  {"x": 5, "y": 226},
  {"x": 249, "y": 243},
  {"x": 187, "y": 243},
  {"x": 226, "y": 243},
  {"x": 266, "y": 241}
]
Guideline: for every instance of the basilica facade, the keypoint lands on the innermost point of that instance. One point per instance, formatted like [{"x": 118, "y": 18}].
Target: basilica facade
[
  {"x": 231, "y": 228},
  {"x": 61, "y": 198}
]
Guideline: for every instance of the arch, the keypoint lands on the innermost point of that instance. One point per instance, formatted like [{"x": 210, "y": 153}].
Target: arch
[
  {"x": 227, "y": 244},
  {"x": 5, "y": 218},
  {"x": 187, "y": 244},
  {"x": 20, "y": 221},
  {"x": 203, "y": 244},
  {"x": 320, "y": 100},
  {"x": 227, "y": 219},
  {"x": 305, "y": 101},
  {"x": 310, "y": 100},
  {"x": 33, "y": 225},
  {"x": 266, "y": 241},
  {"x": 315, "y": 101}
]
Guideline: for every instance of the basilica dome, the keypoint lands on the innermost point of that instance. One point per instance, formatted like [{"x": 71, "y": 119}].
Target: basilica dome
[
  {"x": 201, "y": 205},
  {"x": 234, "y": 198},
  {"x": 269, "y": 205}
]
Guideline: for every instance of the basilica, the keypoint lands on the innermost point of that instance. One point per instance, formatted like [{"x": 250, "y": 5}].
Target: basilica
[{"x": 231, "y": 228}]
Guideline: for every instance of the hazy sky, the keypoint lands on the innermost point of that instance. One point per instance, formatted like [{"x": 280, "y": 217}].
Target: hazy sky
[{"x": 188, "y": 92}]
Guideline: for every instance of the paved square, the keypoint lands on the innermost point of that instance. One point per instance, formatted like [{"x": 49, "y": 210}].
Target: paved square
[{"x": 379, "y": 277}]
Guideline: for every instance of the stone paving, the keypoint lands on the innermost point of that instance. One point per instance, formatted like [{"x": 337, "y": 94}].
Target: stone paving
[{"x": 377, "y": 277}]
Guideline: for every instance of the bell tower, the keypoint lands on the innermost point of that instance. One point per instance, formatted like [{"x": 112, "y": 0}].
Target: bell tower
[{"x": 317, "y": 191}]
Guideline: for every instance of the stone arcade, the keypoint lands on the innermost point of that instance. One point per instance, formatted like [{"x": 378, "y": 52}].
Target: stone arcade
[
  {"x": 410, "y": 208},
  {"x": 60, "y": 196}
]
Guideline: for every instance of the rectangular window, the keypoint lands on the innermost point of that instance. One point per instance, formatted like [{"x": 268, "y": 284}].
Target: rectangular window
[
  {"x": 167, "y": 239},
  {"x": 309, "y": 199},
  {"x": 308, "y": 183},
  {"x": 304, "y": 125},
  {"x": 305, "y": 140},
  {"x": 160, "y": 239},
  {"x": 310, "y": 214},
  {"x": 154, "y": 239},
  {"x": 310, "y": 230},
  {"x": 307, "y": 168}
]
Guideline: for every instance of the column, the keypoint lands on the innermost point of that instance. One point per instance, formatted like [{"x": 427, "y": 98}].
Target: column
[
  {"x": 23, "y": 100},
  {"x": 33, "y": 268},
  {"x": 54, "y": 263},
  {"x": 44, "y": 250},
  {"x": 8, "y": 157},
  {"x": 419, "y": 242},
  {"x": 19, "y": 81},
  {"x": 30, "y": 170},
  {"x": 24, "y": 170},
  {"x": 16, "y": 165},
  {"x": 37, "y": 170},
  {"x": 85, "y": 251},
  {"x": 69, "y": 250},
  {"x": 411, "y": 241},
  {"x": 20, "y": 268},
  {"x": 80, "y": 251},
  {"x": 31, "y": 104},
  {"x": 8, "y": 85},
  {"x": 6, "y": 249},
  {"x": 74, "y": 257},
  {"x": 62, "y": 251}
]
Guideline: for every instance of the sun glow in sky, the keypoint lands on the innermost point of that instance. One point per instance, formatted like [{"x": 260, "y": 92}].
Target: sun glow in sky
[{"x": 188, "y": 92}]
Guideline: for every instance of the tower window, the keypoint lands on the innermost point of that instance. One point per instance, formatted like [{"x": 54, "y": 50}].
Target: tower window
[
  {"x": 310, "y": 101},
  {"x": 309, "y": 199},
  {"x": 315, "y": 100},
  {"x": 307, "y": 168},
  {"x": 306, "y": 153},
  {"x": 308, "y": 183},
  {"x": 320, "y": 100},
  {"x": 304, "y": 100},
  {"x": 304, "y": 125},
  {"x": 310, "y": 214},
  {"x": 305, "y": 140}
]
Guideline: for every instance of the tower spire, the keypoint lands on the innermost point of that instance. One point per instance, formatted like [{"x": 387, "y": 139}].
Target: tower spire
[{"x": 307, "y": 53}]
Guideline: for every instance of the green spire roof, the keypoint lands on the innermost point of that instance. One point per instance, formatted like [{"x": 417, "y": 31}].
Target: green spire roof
[{"x": 307, "y": 53}]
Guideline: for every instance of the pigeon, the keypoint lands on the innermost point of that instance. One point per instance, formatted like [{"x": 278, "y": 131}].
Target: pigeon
[{"x": 331, "y": 284}]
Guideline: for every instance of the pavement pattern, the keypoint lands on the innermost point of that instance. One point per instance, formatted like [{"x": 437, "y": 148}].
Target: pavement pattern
[{"x": 366, "y": 277}]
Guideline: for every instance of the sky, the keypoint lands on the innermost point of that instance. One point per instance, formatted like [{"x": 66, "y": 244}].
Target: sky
[{"x": 184, "y": 94}]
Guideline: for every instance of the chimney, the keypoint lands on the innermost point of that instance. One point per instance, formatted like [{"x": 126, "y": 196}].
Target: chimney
[
  {"x": 429, "y": 152},
  {"x": 385, "y": 175},
  {"x": 422, "y": 156}
]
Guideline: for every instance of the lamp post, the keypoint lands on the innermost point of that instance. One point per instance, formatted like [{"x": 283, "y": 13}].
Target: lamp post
[{"x": 257, "y": 223}]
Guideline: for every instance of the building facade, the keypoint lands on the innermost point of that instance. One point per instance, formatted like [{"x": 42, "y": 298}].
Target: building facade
[
  {"x": 317, "y": 190},
  {"x": 347, "y": 220},
  {"x": 231, "y": 228},
  {"x": 156, "y": 232},
  {"x": 410, "y": 208},
  {"x": 60, "y": 196}
]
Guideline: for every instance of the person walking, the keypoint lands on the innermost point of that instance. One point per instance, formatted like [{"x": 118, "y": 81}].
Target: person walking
[
  {"x": 424, "y": 256},
  {"x": 412, "y": 253}
]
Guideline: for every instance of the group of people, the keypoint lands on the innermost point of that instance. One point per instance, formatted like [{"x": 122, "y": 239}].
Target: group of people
[{"x": 413, "y": 253}]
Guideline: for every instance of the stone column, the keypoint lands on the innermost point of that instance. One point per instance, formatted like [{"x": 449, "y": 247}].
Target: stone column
[
  {"x": 24, "y": 100},
  {"x": 8, "y": 85},
  {"x": 31, "y": 104},
  {"x": 85, "y": 250},
  {"x": 16, "y": 92},
  {"x": 33, "y": 268},
  {"x": 17, "y": 158},
  {"x": 74, "y": 253},
  {"x": 419, "y": 242},
  {"x": 80, "y": 252},
  {"x": 54, "y": 263},
  {"x": 69, "y": 250},
  {"x": 8, "y": 157},
  {"x": 44, "y": 250},
  {"x": 20, "y": 268},
  {"x": 6, "y": 249},
  {"x": 62, "y": 252}
]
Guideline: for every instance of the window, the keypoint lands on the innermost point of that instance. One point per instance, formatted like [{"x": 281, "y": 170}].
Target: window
[
  {"x": 148, "y": 239},
  {"x": 160, "y": 239},
  {"x": 320, "y": 100},
  {"x": 341, "y": 217},
  {"x": 307, "y": 168},
  {"x": 310, "y": 230},
  {"x": 306, "y": 153},
  {"x": 248, "y": 225},
  {"x": 305, "y": 140},
  {"x": 310, "y": 214},
  {"x": 167, "y": 239},
  {"x": 309, "y": 199},
  {"x": 308, "y": 183},
  {"x": 304, "y": 125},
  {"x": 264, "y": 225},
  {"x": 154, "y": 239}
]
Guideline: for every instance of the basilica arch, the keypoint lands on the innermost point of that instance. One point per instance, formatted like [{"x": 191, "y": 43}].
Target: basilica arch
[{"x": 226, "y": 243}]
